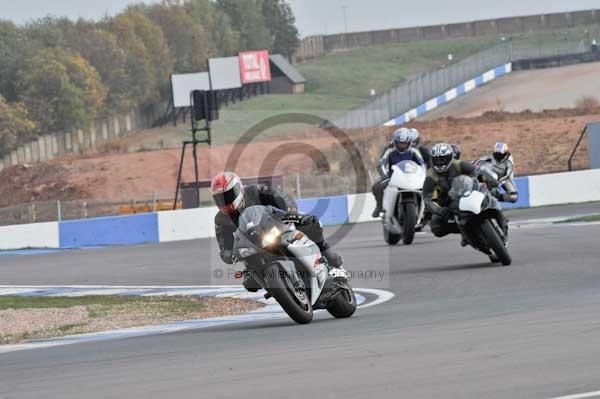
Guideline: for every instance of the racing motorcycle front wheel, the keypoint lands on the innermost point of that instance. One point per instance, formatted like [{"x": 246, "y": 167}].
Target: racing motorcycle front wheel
[
  {"x": 495, "y": 242},
  {"x": 343, "y": 305},
  {"x": 293, "y": 299}
]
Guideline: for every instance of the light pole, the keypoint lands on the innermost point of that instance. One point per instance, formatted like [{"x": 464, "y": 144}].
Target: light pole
[{"x": 344, "y": 10}]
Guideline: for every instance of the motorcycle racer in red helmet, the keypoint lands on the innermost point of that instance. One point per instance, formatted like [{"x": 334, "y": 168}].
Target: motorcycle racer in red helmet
[{"x": 232, "y": 197}]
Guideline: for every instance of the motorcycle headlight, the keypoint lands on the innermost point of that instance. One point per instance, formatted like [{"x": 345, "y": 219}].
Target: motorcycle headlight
[{"x": 271, "y": 237}]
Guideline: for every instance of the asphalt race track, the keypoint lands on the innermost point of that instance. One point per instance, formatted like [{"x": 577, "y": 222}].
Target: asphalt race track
[{"x": 457, "y": 327}]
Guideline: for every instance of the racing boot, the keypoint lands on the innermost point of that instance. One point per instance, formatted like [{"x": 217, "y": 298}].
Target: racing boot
[
  {"x": 377, "y": 212},
  {"x": 463, "y": 241},
  {"x": 333, "y": 259},
  {"x": 494, "y": 258},
  {"x": 249, "y": 282}
]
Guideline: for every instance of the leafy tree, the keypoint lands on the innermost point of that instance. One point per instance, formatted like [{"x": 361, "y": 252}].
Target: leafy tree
[
  {"x": 185, "y": 37},
  {"x": 281, "y": 22},
  {"x": 15, "y": 126},
  {"x": 247, "y": 18},
  {"x": 48, "y": 32},
  {"x": 100, "y": 48},
  {"x": 149, "y": 61},
  {"x": 226, "y": 39},
  {"x": 12, "y": 46},
  {"x": 60, "y": 89}
]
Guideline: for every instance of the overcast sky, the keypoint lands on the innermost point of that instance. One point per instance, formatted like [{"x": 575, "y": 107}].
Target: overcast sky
[{"x": 327, "y": 16}]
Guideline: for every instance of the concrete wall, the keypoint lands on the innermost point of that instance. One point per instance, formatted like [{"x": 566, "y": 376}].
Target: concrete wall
[
  {"x": 564, "y": 188},
  {"x": 118, "y": 230},
  {"x": 39, "y": 235},
  {"x": 79, "y": 141},
  {"x": 534, "y": 191},
  {"x": 187, "y": 224},
  {"x": 316, "y": 46}
]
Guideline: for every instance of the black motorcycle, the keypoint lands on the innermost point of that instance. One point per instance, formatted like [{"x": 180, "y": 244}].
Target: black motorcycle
[
  {"x": 478, "y": 216},
  {"x": 289, "y": 266}
]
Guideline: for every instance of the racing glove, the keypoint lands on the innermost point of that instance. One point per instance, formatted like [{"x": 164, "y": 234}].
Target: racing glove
[
  {"x": 227, "y": 256},
  {"x": 445, "y": 214}
]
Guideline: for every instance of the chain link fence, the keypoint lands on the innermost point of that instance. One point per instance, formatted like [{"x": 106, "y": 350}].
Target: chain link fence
[
  {"x": 422, "y": 88},
  {"x": 51, "y": 211}
]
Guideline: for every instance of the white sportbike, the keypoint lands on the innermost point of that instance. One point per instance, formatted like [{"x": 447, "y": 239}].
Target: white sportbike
[{"x": 403, "y": 203}]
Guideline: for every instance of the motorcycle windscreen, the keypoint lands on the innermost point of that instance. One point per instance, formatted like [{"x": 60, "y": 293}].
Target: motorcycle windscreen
[
  {"x": 258, "y": 220},
  {"x": 472, "y": 203},
  {"x": 462, "y": 186}
]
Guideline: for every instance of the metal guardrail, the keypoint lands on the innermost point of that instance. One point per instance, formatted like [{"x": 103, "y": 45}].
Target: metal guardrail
[{"x": 422, "y": 88}]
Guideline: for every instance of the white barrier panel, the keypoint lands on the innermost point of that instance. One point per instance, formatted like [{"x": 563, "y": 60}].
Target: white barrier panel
[
  {"x": 39, "y": 235},
  {"x": 187, "y": 224},
  {"x": 365, "y": 205},
  {"x": 564, "y": 188}
]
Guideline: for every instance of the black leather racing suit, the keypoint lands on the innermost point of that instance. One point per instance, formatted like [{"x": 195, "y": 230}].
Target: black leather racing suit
[
  {"x": 226, "y": 225},
  {"x": 435, "y": 192}
]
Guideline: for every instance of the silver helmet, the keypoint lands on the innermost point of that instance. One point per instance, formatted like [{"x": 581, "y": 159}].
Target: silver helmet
[{"x": 442, "y": 156}]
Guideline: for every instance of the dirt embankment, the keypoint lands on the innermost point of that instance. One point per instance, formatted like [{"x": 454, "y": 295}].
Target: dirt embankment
[
  {"x": 127, "y": 176},
  {"x": 540, "y": 142}
]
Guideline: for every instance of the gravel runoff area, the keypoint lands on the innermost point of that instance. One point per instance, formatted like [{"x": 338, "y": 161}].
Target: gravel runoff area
[{"x": 27, "y": 318}]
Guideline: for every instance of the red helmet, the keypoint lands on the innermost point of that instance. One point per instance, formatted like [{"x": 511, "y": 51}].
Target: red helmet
[{"x": 228, "y": 192}]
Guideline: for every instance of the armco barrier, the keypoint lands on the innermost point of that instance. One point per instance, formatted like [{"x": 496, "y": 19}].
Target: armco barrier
[
  {"x": 38, "y": 235},
  {"x": 330, "y": 210},
  {"x": 565, "y": 188},
  {"x": 186, "y": 224},
  {"x": 118, "y": 230},
  {"x": 450, "y": 95}
]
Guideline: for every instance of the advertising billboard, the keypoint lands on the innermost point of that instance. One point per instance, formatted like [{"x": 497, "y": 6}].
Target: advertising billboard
[
  {"x": 225, "y": 73},
  {"x": 254, "y": 67},
  {"x": 184, "y": 84}
]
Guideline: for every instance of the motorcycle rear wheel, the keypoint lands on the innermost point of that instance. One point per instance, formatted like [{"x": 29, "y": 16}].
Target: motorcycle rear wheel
[
  {"x": 495, "y": 242},
  {"x": 296, "y": 304}
]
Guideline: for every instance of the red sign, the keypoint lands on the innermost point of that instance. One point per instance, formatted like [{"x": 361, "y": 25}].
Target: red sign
[{"x": 254, "y": 66}]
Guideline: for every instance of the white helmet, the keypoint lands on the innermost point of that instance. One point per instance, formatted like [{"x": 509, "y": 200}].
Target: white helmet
[
  {"x": 403, "y": 139},
  {"x": 442, "y": 156},
  {"x": 416, "y": 136}
]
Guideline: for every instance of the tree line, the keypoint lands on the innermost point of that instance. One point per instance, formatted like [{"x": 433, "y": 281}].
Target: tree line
[{"x": 57, "y": 74}]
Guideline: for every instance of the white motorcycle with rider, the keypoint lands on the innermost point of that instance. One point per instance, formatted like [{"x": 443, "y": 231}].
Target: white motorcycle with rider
[{"x": 399, "y": 192}]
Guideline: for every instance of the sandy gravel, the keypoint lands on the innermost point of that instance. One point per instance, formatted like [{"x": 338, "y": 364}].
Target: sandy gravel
[{"x": 24, "y": 324}]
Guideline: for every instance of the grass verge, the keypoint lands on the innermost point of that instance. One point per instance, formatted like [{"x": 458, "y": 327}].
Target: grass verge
[{"x": 26, "y": 318}]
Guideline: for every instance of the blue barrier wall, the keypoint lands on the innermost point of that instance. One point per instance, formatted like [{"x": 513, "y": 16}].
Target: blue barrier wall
[
  {"x": 330, "y": 210},
  {"x": 119, "y": 230},
  {"x": 446, "y": 97},
  {"x": 523, "y": 188}
]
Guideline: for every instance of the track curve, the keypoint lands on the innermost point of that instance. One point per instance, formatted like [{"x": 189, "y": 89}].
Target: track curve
[{"x": 457, "y": 326}]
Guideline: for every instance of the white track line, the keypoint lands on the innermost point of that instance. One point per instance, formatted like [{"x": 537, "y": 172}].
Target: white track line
[
  {"x": 580, "y": 396},
  {"x": 270, "y": 312}
]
